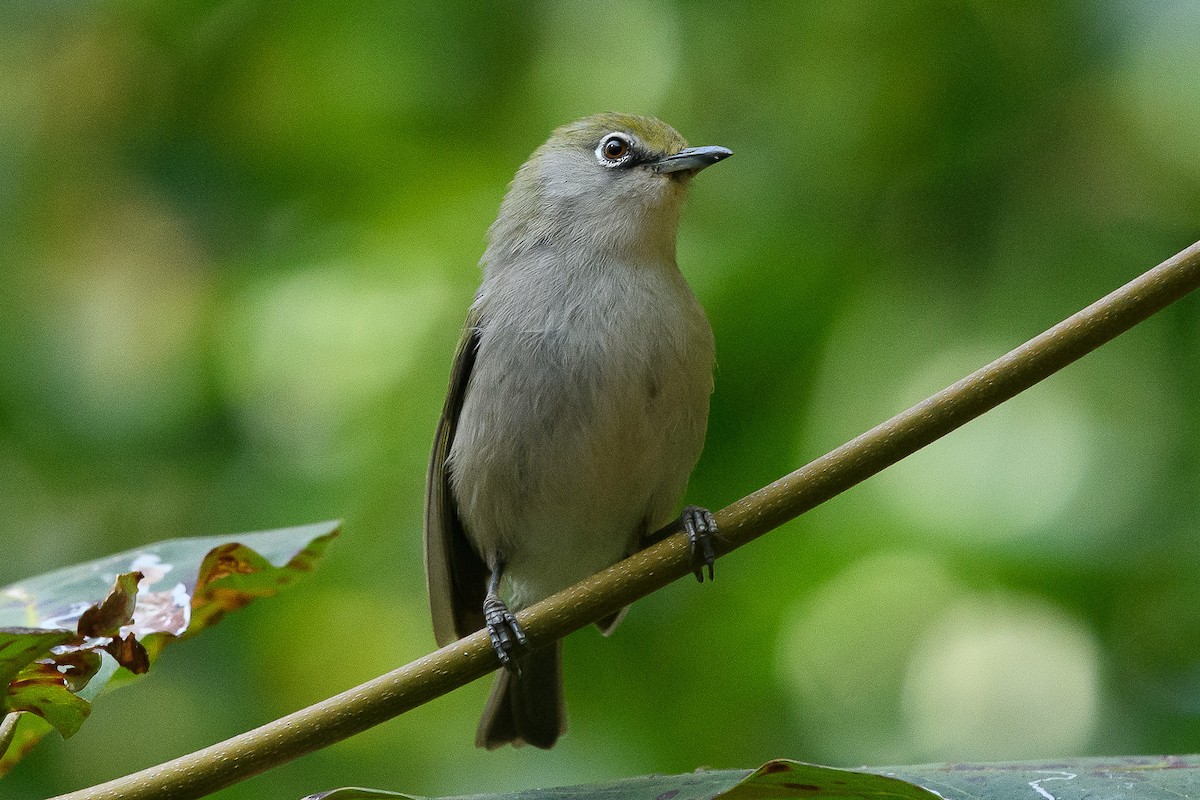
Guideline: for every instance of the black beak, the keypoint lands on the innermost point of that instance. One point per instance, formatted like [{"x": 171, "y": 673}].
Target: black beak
[{"x": 692, "y": 159}]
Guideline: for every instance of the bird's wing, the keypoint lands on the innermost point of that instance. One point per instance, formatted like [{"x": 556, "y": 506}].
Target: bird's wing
[{"x": 455, "y": 574}]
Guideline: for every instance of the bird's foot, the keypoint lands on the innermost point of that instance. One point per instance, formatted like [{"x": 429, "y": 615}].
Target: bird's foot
[
  {"x": 507, "y": 636},
  {"x": 701, "y": 528}
]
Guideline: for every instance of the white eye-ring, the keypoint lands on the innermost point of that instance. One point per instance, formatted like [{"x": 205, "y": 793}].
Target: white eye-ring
[{"x": 613, "y": 150}]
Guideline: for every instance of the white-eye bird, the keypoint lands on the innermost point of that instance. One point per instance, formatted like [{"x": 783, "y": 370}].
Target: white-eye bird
[{"x": 578, "y": 400}]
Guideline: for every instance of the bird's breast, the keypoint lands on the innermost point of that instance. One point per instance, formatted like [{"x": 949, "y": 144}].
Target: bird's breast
[{"x": 584, "y": 415}]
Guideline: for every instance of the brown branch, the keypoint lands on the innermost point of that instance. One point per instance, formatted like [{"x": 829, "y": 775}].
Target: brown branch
[{"x": 332, "y": 720}]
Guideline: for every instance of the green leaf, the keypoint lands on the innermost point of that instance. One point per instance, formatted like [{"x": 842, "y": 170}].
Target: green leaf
[
  {"x": 33, "y": 681},
  {"x": 355, "y": 793},
  {"x": 790, "y": 779},
  {"x": 60, "y": 630},
  {"x": 40, "y": 689},
  {"x": 20, "y": 647}
]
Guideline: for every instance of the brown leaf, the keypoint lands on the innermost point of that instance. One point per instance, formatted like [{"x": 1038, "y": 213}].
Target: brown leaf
[
  {"x": 107, "y": 617},
  {"x": 129, "y": 653}
]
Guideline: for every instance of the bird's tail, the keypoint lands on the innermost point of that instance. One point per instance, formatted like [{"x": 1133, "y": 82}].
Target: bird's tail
[{"x": 526, "y": 707}]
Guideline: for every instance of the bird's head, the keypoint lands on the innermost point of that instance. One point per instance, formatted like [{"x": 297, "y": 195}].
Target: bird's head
[{"x": 609, "y": 185}]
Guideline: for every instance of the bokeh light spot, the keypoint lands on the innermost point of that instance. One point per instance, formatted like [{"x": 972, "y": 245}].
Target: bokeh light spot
[
  {"x": 1161, "y": 81},
  {"x": 1001, "y": 678},
  {"x": 307, "y": 351},
  {"x": 843, "y": 656},
  {"x": 582, "y": 73},
  {"x": 1012, "y": 471}
]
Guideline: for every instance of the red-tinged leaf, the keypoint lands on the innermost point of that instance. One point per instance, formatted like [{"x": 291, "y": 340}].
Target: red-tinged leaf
[
  {"x": 77, "y": 667},
  {"x": 254, "y": 566},
  {"x": 20, "y": 647},
  {"x": 41, "y": 689}
]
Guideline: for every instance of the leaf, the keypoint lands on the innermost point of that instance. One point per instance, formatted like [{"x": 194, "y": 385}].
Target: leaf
[
  {"x": 791, "y": 779},
  {"x": 56, "y": 640},
  {"x": 355, "y": 793},
  {"x": 20, "y": 647},
  {"x": 186, "y": 585},
  {"x": 1142, "y": 777},
  {"x": 77, "y": 667},
  {"x": 106, "y": 618},
  {"x": 129, "y": 653},
  {"x": 33, "y": 682},
  {"x": 692, "y": 786},
  {"x": 40, "y": 689}
]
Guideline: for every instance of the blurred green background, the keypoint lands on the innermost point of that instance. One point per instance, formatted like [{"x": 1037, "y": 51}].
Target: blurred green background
[{"x": 237, "y": 240}]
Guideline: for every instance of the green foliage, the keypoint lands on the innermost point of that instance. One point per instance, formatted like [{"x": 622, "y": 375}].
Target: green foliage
[
  {"x": 237, "y": 241},
  {"x": 160, "y": 593}
]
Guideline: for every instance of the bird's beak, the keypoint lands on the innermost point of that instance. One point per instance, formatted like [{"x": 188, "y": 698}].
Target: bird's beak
[{"x": 692, "y": 159}]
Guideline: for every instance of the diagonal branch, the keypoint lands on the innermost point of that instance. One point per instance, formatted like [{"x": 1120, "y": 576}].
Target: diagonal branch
[{"x": 455, "y": 665}]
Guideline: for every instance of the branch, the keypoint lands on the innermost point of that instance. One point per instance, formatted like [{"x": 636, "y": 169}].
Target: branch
[
  {"x": 455, "y": 665},
  {"x": 8, "y": 729}
]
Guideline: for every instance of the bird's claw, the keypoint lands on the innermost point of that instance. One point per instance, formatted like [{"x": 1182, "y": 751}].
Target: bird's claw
[
  {"x": 700, "y": 527},
  {"x": 507, "y": 636}
]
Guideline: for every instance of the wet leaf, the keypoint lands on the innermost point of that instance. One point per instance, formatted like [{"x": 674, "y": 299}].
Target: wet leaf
[
  {"x": 1141, "y": 777},
  {"x": 62, "y": 627},
  {"x": 77, "y": 667}
]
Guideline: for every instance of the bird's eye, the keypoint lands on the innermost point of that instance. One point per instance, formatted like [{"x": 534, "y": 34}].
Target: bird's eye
[{"x": 614, "y": 148}]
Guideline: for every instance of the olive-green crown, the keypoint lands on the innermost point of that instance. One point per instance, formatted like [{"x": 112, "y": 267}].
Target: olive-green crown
[{"x": 654, "y": 134}]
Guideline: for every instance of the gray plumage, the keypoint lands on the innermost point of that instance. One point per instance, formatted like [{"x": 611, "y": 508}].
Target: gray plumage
[{"x": 579, "y": 395}]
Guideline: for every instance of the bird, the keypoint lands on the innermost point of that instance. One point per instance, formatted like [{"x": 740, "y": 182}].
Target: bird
[{"x": 577, "y": 405}]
